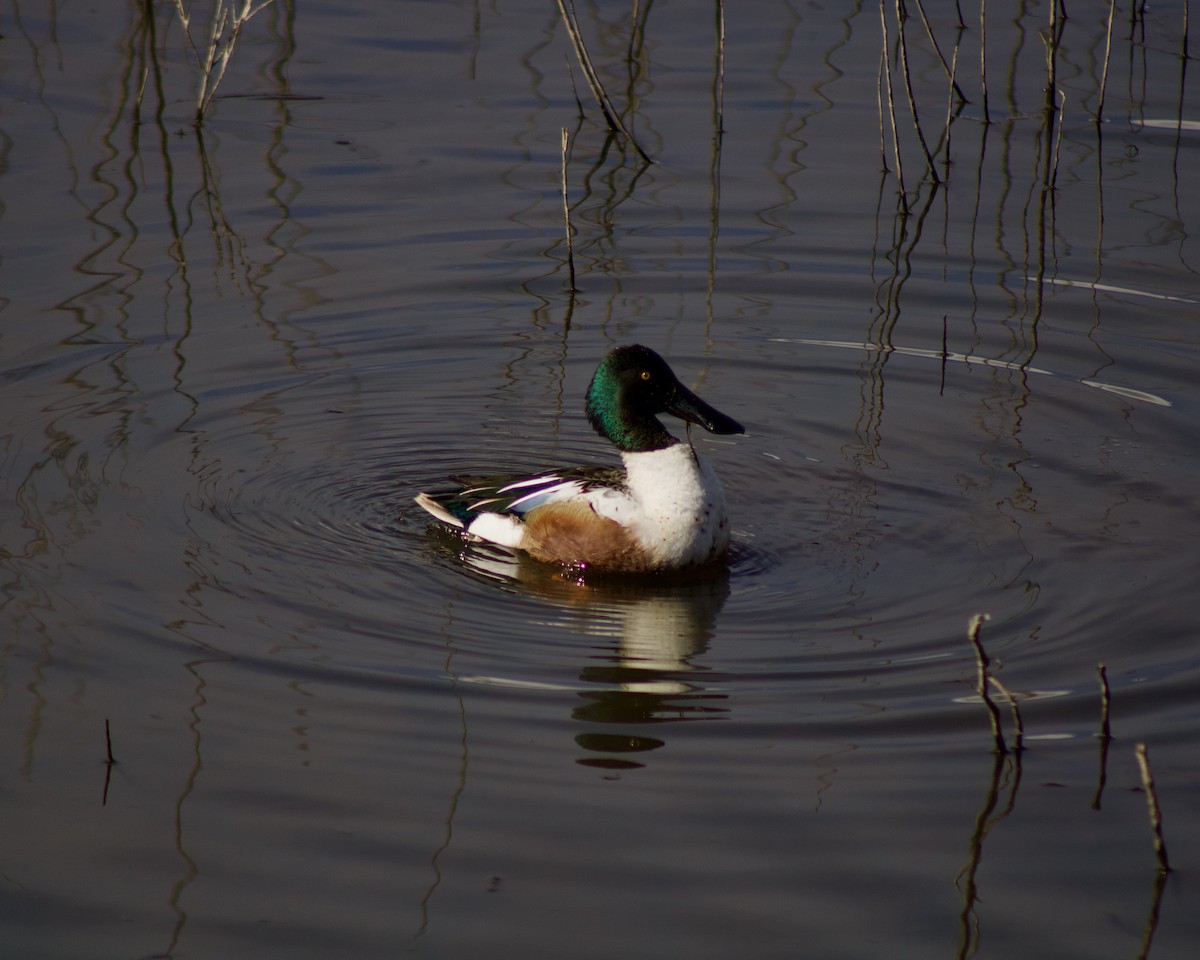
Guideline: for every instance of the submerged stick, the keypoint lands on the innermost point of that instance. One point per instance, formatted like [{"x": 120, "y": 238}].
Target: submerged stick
[
  {"x": 566, "y": 138},
  {"x": 109, "y": 758},
  {"x": 981, "y": 682},
  {"x": 1160, "y": 847}
]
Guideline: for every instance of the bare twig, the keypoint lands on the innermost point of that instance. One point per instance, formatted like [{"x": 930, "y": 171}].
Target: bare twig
[
  {"x": 981, "y": 680},
  {"x": 901, "y": 17},
  {"x": 1160, "y": 848},
  {"x": 1016, "y": 712},
  {"x": 983, "y": 58},
  {"x": 566, "y": 138},
  {"x": 938, "y": 50},
  {"x": 719, "y": 78},
  {"x": 593, "y": 79},
  {"x": 879, "y": 103},
  {"x": 224, "y": 30},
  {"x": 950, "y": 110},
  {"x": 891, "y": 100},
  {"x": 1112, "y": 7}
]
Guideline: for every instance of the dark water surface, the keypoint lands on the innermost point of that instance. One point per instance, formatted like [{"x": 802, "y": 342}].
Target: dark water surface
[{"x": 228, "y": 361}]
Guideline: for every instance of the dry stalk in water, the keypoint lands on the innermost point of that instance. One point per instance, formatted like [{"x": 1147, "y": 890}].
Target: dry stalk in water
[
  {"x": 1019, "y": 737},
  {"x": 891, "y": 103},
  {"x": 1160, "y": 847},
  {"x": 566, "y": 139},
  {"x": 981, "y": 679},
  {"x": 592, "y": 78},
  {"x": 983, "y": 93},
  {"x": 949, "y": 68},
  {"x": 224, "y": 29},
  {"x": 1112, "y": 7},
  {"x": 901, "y": 18}
]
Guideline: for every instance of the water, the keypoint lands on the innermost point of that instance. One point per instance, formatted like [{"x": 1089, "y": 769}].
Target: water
[{"x": 227, "y": 363}]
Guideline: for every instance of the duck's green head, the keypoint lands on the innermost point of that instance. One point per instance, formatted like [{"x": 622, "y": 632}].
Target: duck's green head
[{"x": 631, "y": 387}]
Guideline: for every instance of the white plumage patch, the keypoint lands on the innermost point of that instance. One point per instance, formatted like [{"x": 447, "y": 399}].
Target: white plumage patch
[{"x": 502, "y": 528}]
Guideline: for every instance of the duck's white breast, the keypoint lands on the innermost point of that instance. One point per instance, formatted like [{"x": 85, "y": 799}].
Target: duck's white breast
[{"x": 675, "y": 505}]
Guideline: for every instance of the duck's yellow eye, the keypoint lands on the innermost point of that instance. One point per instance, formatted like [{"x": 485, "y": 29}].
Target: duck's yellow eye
[{"x": 645, "y": 374}]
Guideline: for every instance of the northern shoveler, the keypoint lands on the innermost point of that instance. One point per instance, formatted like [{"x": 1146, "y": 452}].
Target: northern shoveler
[{"x": 664, "y": 511}]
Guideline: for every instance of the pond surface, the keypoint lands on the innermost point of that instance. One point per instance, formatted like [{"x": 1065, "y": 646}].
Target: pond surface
[{"x": 229, "y": 359}]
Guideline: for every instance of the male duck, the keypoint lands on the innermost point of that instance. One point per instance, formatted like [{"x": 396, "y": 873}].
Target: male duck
[{"x": 664, "y": 511}]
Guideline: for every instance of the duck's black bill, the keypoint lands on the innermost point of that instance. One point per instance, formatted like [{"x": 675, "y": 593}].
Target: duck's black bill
[{"x": 687, "y": 406}]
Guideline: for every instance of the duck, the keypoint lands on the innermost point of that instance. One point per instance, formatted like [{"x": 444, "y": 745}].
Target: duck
[{"x": 662, "y": 510}]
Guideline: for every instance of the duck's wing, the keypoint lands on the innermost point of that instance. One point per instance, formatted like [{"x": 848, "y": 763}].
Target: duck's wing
[{"x": 514, "y": 495}]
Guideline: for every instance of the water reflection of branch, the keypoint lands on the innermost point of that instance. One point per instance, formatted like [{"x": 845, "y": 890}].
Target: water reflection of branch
[
  {"x": 109, "y": 762},
  {"x": 460, "y": 784},
  {"x": 1104, "y": 736},
  {"x": 965, "y": 882},
  {"x": 902, "y": 245},
  {"x": 591, "y": 247},
  {"x": 1151, "y": 925},
  {"x": 190, "y": 868},
  {"x": 228, "y": 246}
]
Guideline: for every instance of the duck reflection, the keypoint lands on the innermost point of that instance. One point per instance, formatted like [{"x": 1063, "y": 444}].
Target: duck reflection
[{"x": 651, "y": 630}]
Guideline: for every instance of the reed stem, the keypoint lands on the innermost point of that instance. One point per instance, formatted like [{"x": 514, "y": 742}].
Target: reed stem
[
  {"x": 224, "y": 30},
  {"x": 1112, "y": 8},
  {"x": 1019, "y": 737},
  {"x": 983, "y": 59},
  {"x": 891, "y": 102},
  {"x": 981, "y": 680},
  {"x": 593, "y": 79},
  {"x": 938, "y": 50},
  {"x": 1160, "y": 847},
  {"x": 566, "y": 139},
  {"x": 901, "y": 18}
]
